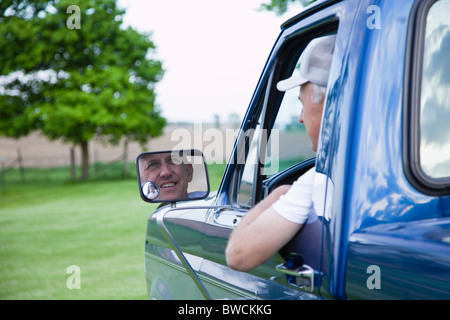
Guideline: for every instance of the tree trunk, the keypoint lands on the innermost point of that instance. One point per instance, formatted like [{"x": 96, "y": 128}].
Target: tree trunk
[{"x": 84, "y": 160}]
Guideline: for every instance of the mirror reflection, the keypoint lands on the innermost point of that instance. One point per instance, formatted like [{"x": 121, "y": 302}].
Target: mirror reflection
[
  {"x": 168, "y": 176},
  {"x": 150, "y": 190}
]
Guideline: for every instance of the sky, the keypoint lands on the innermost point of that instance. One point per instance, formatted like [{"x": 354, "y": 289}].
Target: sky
[{"x": 213, "y": 52}]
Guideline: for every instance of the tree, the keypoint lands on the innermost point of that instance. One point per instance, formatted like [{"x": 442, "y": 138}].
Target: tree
[
  {"x": 73, "y": 72},
  {"x": 281, "y": 6}
]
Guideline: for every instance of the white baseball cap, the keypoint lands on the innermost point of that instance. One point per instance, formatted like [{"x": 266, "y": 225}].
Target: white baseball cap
[{"x": 315, "y": 64}]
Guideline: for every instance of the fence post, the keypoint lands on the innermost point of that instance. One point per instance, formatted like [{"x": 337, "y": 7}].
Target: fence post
[
  {"x": 19, "y": 159},
  {"x": 72, "y": 163},
  {"x": 126, "y": 167},
  {"x": 2, "y": 160}
]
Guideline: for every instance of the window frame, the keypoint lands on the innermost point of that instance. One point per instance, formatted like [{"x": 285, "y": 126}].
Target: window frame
[
  {"x": 270, "y": 101},
  {"x": 412, "y": 104},
  {"x": 241, "y": 150}
]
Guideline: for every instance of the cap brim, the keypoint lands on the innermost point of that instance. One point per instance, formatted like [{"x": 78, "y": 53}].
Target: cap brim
[{"x": 290, "y": 83}]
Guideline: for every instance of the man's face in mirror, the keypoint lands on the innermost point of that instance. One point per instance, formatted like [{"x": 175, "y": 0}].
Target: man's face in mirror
[{"x": 171, "y": 175}]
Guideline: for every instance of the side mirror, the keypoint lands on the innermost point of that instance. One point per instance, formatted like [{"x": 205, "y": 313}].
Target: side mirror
[{"x": 170, "y": 176}]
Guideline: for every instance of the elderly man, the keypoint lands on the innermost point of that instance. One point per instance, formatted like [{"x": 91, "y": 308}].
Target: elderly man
[{"x": 276, "y": 219}]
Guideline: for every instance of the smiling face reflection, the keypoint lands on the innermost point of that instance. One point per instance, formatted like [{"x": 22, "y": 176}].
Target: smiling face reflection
[{"x": 171, "y": 175}]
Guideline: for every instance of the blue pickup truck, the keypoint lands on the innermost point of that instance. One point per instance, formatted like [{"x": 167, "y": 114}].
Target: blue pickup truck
[{"x": 384, "y": 156}]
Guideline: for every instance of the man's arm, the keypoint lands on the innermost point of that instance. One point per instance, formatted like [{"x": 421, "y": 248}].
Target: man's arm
[{"x": 260, "y": 234}]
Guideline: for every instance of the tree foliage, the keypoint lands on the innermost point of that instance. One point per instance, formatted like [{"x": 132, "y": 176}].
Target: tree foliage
[
  {"x": 281, "y": 6},
  {"x": 76, "y": 83}
]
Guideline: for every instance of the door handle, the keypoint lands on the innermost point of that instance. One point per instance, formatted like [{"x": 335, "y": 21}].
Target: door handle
[
  {"x": 227, "y": 217},
  {"x": 297, "y": 273}
]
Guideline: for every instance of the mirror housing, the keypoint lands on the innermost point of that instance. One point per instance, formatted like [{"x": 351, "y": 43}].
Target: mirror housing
[{"x": 171, "y": 176}]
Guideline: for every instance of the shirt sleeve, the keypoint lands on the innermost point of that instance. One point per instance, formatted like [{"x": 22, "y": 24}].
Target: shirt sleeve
[{"x": 297, "y": 205}]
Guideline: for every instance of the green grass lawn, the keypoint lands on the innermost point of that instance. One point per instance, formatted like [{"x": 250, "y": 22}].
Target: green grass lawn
[{"x": 48, "y": 223}]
